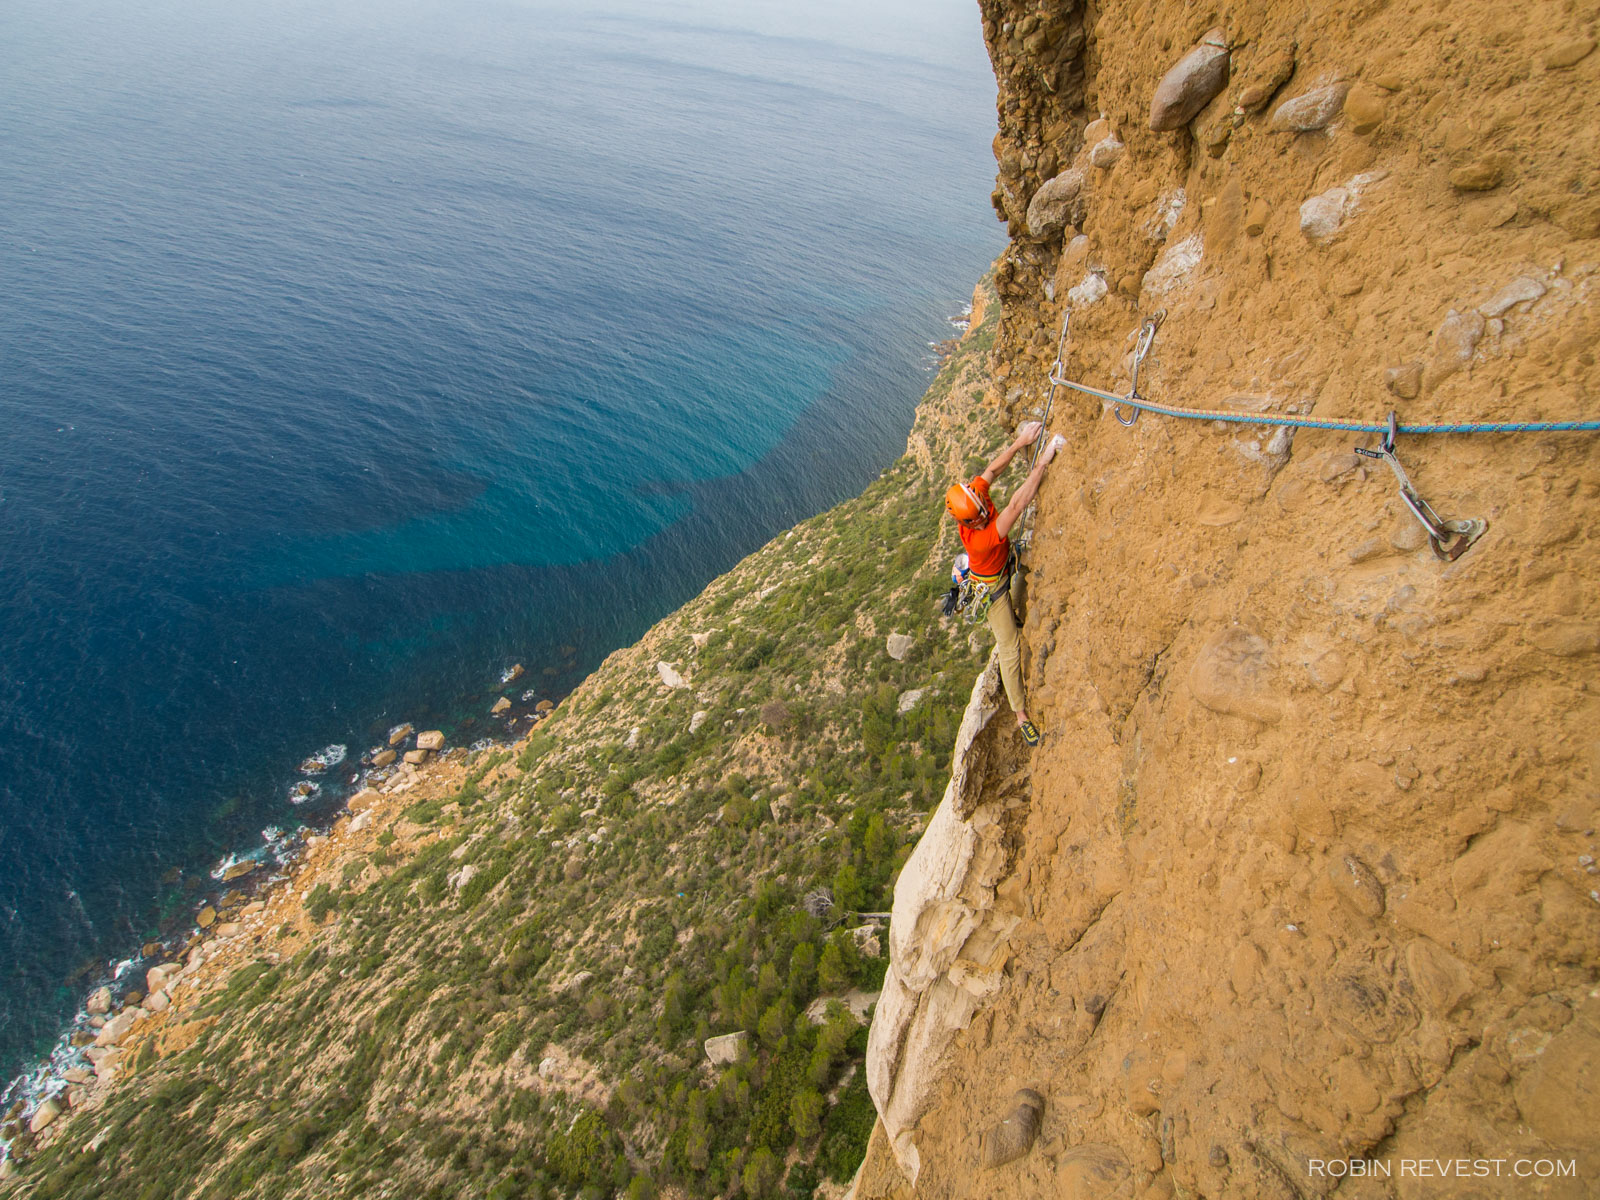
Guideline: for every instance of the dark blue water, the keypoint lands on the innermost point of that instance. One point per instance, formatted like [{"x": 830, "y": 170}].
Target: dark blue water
[{"x": 351, "y": 354}]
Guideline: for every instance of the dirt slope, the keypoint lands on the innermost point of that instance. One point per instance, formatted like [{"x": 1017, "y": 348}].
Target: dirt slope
[{"x": 1306, "y": 868}]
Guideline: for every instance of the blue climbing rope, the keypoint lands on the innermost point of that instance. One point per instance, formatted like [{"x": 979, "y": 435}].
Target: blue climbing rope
[
  {"x": 1450, "y": 539},
  {"x": 1239, "y": 418},
  {"x": 1147, "y": 334}
]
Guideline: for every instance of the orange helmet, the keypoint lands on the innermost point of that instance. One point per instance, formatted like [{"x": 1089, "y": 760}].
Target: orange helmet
[{"x": 963, "y": 503}]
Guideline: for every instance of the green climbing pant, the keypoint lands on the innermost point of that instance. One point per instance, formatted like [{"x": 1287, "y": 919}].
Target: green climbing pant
[{"x": 1003, "y": 620}]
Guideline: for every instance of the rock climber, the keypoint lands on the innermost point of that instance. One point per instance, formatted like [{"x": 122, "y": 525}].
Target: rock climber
[{"x": 986, "y": 538}]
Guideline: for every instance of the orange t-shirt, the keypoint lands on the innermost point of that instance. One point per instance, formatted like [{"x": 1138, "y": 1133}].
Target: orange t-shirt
[{"x": 987, "y": 551}]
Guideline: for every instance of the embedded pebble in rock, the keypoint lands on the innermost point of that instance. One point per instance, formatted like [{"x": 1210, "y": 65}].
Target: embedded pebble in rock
[
  {"x": 1364, "y": 108},
  {"x": 1173, "y": 268},
  {"x": 1455, "y": 341},
  {"x": 1311, "y": 110},
  {"x": 1014, "y": 1137},
  {"x": 1523, "y": 290},
  {"x": 1441, "y": 979},
  {"x": 1191, "y": 83},
  {"x": 1405, "y": 380},
  {"x": 1264, "y": 83},
  {"x": 1567, "y": 640},
  {"x": 1092, "y": 288},
  {"x": 433, "y": 739},
  {"x": 1105, "y": 153},
  {"x": 1479, "y": 176},
  {"x": 1323, "y": 216},
  {"x": 1232, "y": 674},
  {"x": 1054, "y": 205},
  {"x": 1255, "y": 219},
  {"x": 1357, "y": 885},
  {"x": 1568, "y": 53}
]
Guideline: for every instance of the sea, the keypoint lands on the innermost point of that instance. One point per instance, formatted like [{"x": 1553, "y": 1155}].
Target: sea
[{"x": 355, "y": 353}]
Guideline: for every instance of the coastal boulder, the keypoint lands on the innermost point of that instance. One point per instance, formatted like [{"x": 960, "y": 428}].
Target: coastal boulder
[
  {"x": 117, "y": 1028},
  {"x": 44, "y": 1116},
  {"x": 501, "y": 705},
  {"x": 365, "y": 799},
  {"x": 99, "y": 1002},
  {"x": 416, "y": 757},
  {"x": 1191, "y": 83},
  {"x": 383, "y": 758},
  {"x": 400, "y": 733},
  {"x": 432, "y": 739}
]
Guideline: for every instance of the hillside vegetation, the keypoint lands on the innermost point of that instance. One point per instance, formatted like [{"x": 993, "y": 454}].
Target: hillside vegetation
[{"x": 499, "y": 982}]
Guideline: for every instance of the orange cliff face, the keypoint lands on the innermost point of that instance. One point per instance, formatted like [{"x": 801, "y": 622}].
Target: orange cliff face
[{"x": 1300, "y": 889}]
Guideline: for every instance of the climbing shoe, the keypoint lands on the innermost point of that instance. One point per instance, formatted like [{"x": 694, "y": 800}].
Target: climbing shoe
[{"x": 1029, "y": 732}]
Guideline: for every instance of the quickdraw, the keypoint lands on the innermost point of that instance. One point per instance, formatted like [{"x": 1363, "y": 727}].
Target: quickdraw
[{"x": 1449, "y": 539}]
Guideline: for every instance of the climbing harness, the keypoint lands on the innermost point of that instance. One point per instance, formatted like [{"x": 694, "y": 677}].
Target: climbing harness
[
  {"x": 972, "y": 596},
  {"x": 1449, "y": 539}
]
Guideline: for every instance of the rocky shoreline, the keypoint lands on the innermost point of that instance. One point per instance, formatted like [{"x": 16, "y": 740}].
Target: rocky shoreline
[{"x": 257, "y": 911}]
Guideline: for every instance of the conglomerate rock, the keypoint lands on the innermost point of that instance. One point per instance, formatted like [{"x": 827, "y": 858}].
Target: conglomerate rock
[{"x": 1303, "y": 875}]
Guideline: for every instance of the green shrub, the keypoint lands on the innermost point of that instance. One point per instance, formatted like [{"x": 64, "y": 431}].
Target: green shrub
[{"x": 845, "y": 1131}]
